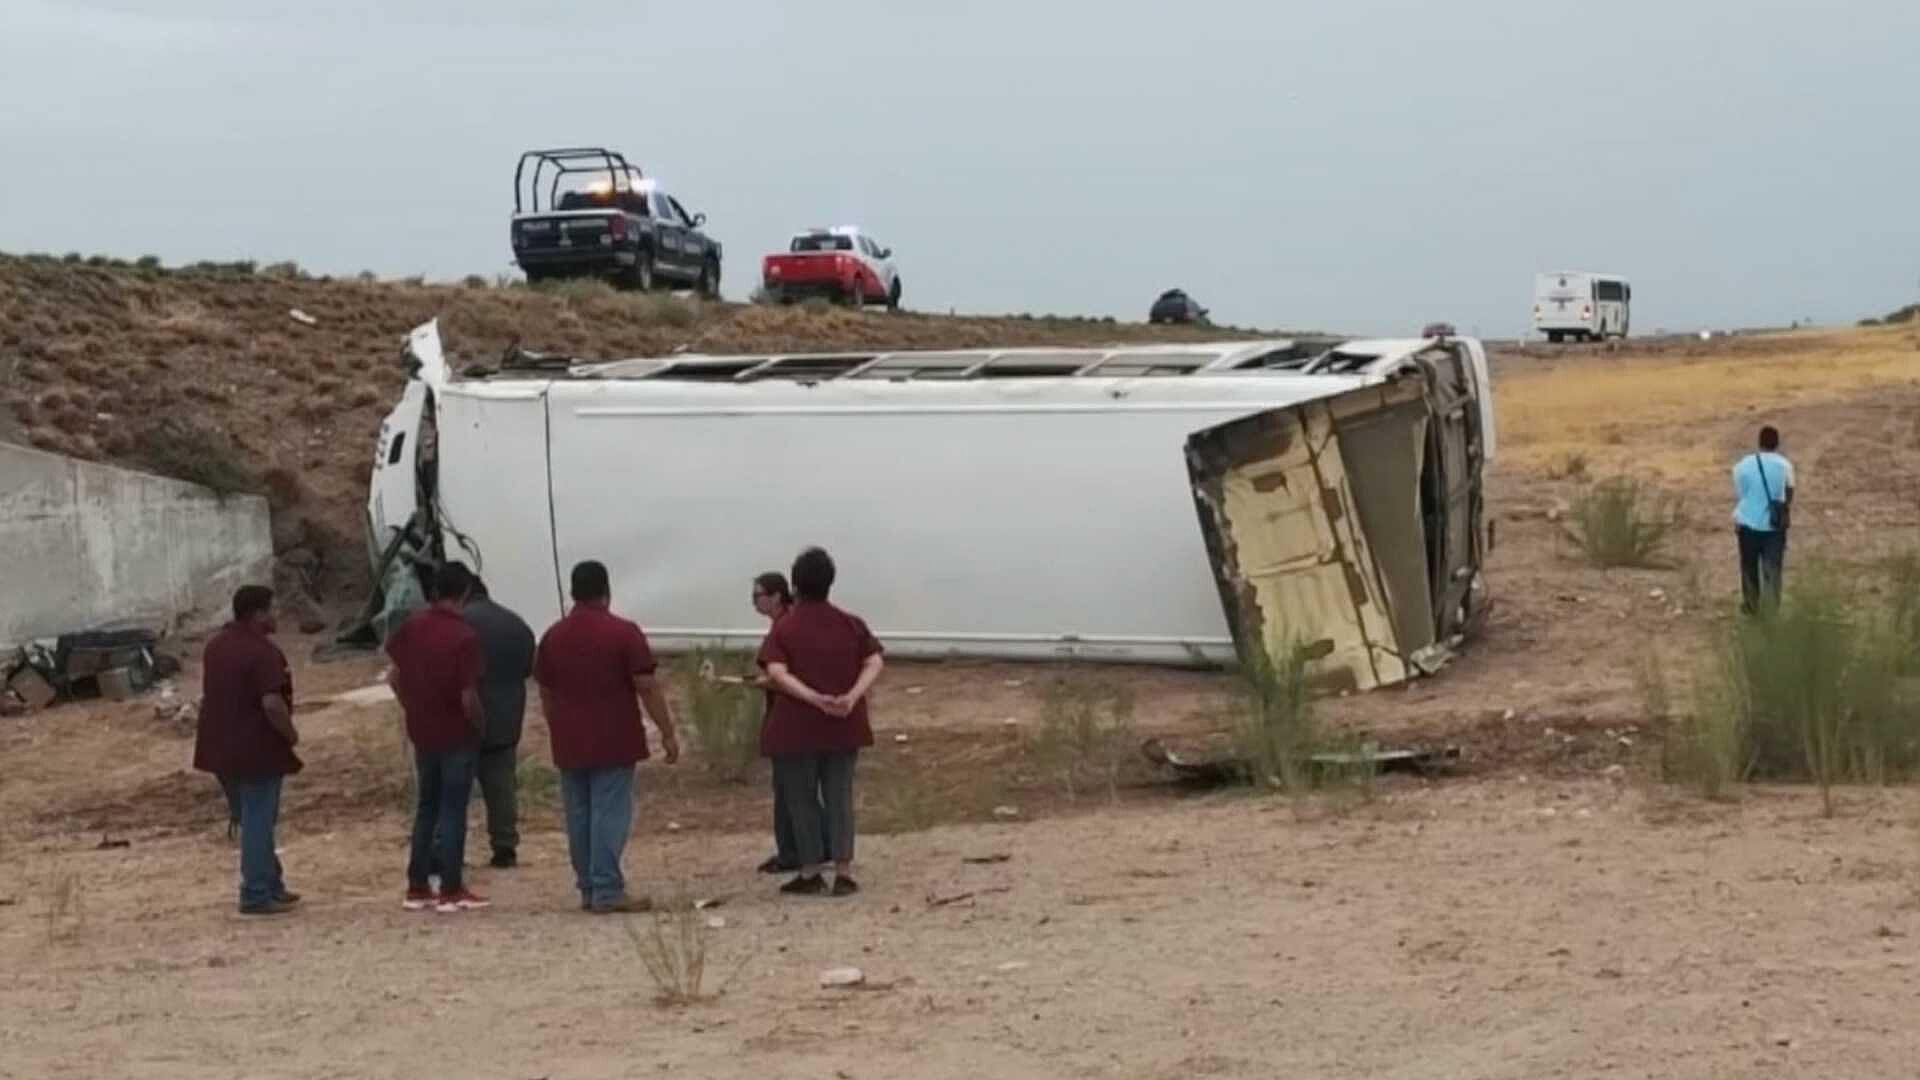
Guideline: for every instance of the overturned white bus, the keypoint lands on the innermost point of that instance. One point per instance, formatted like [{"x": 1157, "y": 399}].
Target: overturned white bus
[{"x": 1008, "y": 503}]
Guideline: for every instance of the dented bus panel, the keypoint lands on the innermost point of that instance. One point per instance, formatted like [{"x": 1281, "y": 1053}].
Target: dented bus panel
[{"x": 1351, "y": 527}]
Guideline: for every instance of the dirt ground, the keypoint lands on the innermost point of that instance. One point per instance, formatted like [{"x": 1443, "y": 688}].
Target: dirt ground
[{"x": 1548, "y": 908}]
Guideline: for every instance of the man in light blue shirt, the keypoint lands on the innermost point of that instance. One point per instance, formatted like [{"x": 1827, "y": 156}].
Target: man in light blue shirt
[{"x": 1763, "y": 495}]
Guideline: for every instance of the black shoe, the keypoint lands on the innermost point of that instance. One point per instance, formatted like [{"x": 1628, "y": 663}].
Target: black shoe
[
  {"x": 845, "y": 886},
  {"x": 504, "y": 859},
  {"x": 287, "y": 896},
  {"x": 271, "y": 907},
  {"x": 810, "y": 885},
  {"x": 773, "y": 865}
]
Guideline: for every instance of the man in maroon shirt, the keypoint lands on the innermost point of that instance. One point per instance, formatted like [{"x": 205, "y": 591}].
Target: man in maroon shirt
[
  {"x": 436, "y": 675},
  {"x": 822, "y": 660},
  {"x": 246, "y": 738},
  {"x": 590, "y": 666}
]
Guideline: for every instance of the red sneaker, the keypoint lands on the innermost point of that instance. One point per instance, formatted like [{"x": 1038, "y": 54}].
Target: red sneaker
[
  {"x": 462, "y": 899},
  {"x": 419, "y": 899}
]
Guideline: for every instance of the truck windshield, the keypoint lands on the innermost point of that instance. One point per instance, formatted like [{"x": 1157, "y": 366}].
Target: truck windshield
[{"x": 823, "y": 243}]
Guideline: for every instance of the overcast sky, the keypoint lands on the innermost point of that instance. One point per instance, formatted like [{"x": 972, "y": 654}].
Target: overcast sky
[{"x": 1362, "y": 166}]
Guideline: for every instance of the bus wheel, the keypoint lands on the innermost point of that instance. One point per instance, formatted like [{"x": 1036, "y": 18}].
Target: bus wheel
[{"x": 1553, "y": 337}]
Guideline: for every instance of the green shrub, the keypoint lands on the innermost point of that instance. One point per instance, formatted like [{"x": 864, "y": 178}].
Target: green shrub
[
  {"x": 722, "y": 718},
  {"x": 1818, "y": 691},
  {"x": 186, "y": 450},
  {"x": 1274, "y": 735},
  {"x": 1622, "y": 522}
]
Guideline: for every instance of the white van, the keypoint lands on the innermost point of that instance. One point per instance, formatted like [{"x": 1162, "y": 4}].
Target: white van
[{"x": 1581, "y": 306}]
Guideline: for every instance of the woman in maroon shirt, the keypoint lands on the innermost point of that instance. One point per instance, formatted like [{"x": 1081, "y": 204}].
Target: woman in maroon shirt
[{"x": 822, "y": 661}]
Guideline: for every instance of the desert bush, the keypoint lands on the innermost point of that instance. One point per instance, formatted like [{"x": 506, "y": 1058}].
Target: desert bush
[
  {"x": 1086, "y": 734},
  {"x": 1571, "y": 465},
  {"x": 1817, "y": 691},
  {"x": 1622, "y": 522},
  {"x": 722, "y": 718},
  {"x": 475, "y": 281},
  {"x": 667, "y": 310},
  {"x": 538, "y": 786},
  {"x": 575, "y": 290},
  {"x": 283, "y": 271},
  {"x": 147, "y": 262},
  {"x": 186, "y": 450},
  {"x": 673, "y": 947},
  {"x": 1273, "y": 735}
]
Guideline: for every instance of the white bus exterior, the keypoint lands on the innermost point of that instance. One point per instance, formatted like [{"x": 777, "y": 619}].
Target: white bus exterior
[
  {"x": 1578, "y": 306},
  {"x": 1017, "y": 503}
]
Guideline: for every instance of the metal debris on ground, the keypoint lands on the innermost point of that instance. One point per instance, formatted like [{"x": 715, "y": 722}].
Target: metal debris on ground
[
  {"x": 302, "y": 318},
  {"x": 1226, "y": 768}
]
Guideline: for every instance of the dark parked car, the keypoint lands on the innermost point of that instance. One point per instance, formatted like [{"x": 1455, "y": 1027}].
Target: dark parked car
[
  {"x": 1175, "y": 306},
  {"x": 587, "y": 213}
]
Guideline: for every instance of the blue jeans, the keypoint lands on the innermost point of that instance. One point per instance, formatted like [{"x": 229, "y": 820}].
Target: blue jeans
[
  {"x": 599, "y": 818},
  {"x": 440, "y": 817},
  {"x": 258, "y": 801}
]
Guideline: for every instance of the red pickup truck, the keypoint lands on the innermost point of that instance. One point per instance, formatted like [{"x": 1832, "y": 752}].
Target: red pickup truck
[{"x": 841, "y": 264}]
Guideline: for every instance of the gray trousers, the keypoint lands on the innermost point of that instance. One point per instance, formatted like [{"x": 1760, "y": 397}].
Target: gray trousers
[
  {"x": 817, "y": 791},
  {"x": 500, "y": 786}
]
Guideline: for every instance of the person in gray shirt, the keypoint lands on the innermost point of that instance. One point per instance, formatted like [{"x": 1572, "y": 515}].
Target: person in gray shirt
[{"x": 506, "y": 643}]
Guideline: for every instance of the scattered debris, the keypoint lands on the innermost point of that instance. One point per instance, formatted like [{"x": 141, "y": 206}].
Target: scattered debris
[
  {"x": 1012, "y": 966},
  {"x": 900, "y": 738},
  {"x": 943, "y": 901},
  {"x": 1780, "y": 1038},
  {"x": 1010, "y": 721},
  {"x": 915, "y": 691},
  {"x": 7, "y": 901},
  {"x": 982, "y": 860},
  {"x": 842, "y": 978},
  {"x": 1006, "y": 811},
  {"x": 1013, "y": 684},
  {"x": 715, "y": 922},
  {"x": 703, "y": 905},
  {"x": 31, "y": 687},
  {"x": 1226, "y": 768},
  {"x": 302, "y": 318},
  {"x": 108, "y": 844},
  {"x": 673, "y": 826}
]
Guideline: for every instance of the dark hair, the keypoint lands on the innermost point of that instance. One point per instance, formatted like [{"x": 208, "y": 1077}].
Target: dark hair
[
  {"x": 773, "y": 583},
  {"x": 1769, "y": 438},
  {"x": 452, "y": 581},
  {"x": 590, "y": 581},
  {"x": 251, "y": 600},
  {"x": 479, "y": 589},
  {"x": 813, "y": 574}
]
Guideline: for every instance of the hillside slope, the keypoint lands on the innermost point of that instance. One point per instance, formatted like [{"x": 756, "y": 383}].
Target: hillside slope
[{"x": 202, "y": 372}]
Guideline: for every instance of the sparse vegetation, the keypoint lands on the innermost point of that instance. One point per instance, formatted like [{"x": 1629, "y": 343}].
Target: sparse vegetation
[
  {"x": 723, "y": 718},
  {"x": 537, "y": 786},
  {"x": 1819, "y": 691},
  {"x": 673, "y": 947},
  {"x": 200, "y": 454},
  {"x": 1086, "y": 734},
  {"x": 1623, "y": 523},
  {"x": 1571, "y": 465},
  {"x": 1274, "y": 733}
]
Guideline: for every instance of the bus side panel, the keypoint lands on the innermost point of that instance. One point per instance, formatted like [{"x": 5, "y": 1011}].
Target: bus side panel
[
  {"x": 993, "y": 530},
  {"x": 493, "y": 491}
]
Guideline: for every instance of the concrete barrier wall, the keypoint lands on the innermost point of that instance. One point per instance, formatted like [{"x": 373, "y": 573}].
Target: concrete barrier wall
[{"x": 86, "y": 546}]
